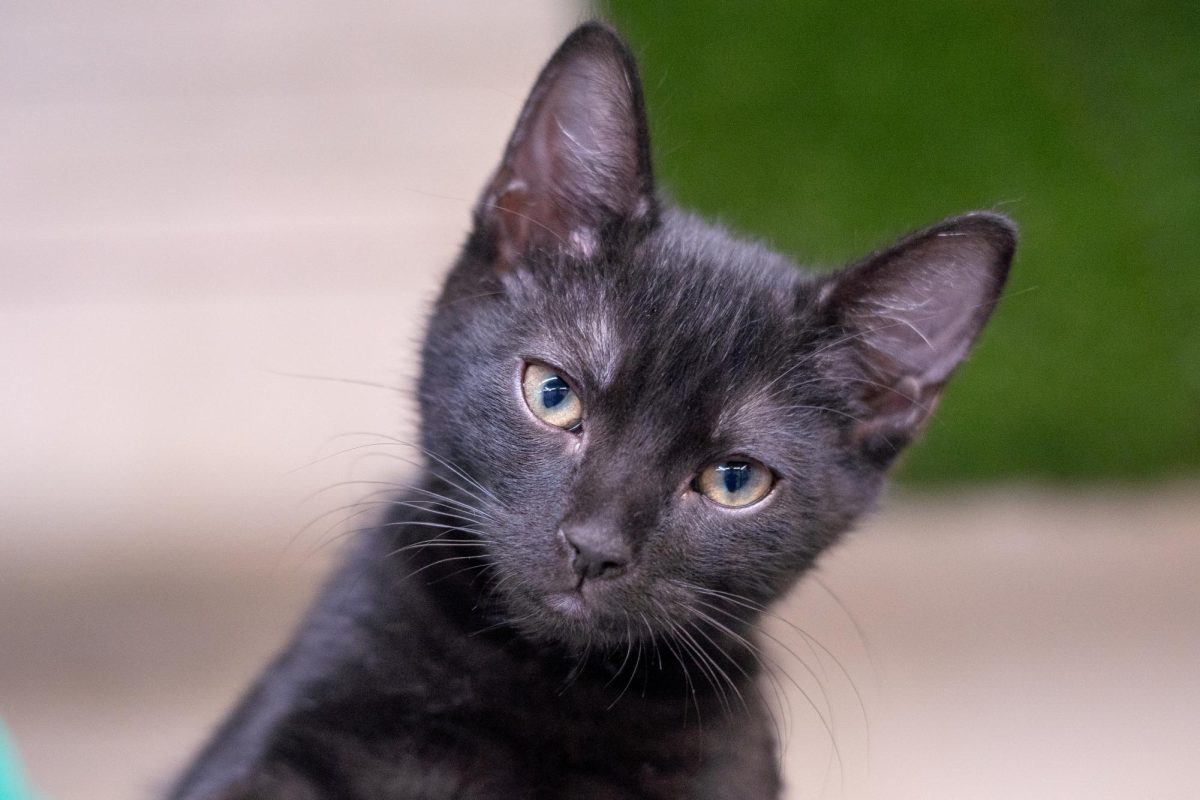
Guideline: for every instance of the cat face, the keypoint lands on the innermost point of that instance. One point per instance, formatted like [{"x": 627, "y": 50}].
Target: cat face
[{"x": 667, "y": 423}]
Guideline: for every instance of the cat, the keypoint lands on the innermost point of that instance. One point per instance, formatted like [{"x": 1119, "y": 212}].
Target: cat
[{"x": 638, "y": 432}]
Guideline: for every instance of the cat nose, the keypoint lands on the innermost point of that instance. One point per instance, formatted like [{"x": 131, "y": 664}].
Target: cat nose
[{"x": 596, "y": 551}]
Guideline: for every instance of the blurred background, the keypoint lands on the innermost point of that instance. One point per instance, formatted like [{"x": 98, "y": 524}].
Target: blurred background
[{"x": 221, "y": 225}]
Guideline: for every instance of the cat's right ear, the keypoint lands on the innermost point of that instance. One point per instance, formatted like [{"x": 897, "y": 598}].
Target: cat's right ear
[{"x": 578, "y": 163}]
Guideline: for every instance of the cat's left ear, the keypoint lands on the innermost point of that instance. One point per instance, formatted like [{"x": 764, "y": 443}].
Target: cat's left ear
[
  {"x": 578, "y": 162},
  {"x": 909, "y": 315}
]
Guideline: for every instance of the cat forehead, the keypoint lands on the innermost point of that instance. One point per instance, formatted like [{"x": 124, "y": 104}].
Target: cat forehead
[
  {"x": 723, "y": 380},
  {"x": 654, "y": 329}
]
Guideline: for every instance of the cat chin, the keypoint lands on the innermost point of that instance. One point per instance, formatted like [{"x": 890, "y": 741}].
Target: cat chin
[{"x": 573, "y": 620}]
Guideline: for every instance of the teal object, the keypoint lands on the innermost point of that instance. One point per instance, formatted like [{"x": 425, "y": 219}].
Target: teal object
[{"x": 12, "y": 779}]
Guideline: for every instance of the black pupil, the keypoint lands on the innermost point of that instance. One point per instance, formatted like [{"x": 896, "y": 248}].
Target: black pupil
[
  {"x": 554, "y": 391},
  {"x": 735, "y": 475}
]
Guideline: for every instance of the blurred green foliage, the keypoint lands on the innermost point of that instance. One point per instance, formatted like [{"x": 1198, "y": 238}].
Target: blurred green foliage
[{"x": 827, "y": 128}]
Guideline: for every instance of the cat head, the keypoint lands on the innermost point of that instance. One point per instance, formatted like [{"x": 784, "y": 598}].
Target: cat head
[{"x": 663, "y": 419}]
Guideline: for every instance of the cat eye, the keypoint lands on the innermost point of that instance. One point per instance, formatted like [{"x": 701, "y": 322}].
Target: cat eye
[
  {"x": 734, "y": 483},
  {"x": 550, "y": 397}
]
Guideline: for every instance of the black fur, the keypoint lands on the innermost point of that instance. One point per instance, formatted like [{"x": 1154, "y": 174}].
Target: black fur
[{"x": 456, "y": 654}]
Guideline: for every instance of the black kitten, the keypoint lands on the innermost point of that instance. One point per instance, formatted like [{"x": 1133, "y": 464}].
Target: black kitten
[{"x": 639, "y": 432}]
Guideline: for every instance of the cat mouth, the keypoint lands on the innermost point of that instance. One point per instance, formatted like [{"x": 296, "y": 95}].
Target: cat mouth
[
  {"x": 575, "y": 619},
  {"x": 591, "y": 606},
  {"x": 569, "y": 603}
]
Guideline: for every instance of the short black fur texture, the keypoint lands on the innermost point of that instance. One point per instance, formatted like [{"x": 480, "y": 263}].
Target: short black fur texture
[{"x": 457, "y": 653}]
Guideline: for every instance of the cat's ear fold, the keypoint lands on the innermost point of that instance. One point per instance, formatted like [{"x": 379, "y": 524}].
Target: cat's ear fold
[
  {"x": 911, "y": 313},
  {"x": 578, "y": 161}
]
